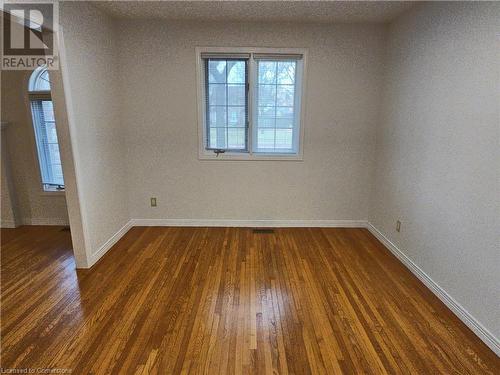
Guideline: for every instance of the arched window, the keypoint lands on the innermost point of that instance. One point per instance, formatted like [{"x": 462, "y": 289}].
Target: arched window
[
  {"x": 39, "y": 80},
  {"x": 44, "y": 124}
]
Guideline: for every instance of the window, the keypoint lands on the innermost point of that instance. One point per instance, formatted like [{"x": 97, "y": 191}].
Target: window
[
  {"x": 44, "y": 125},
  {"x": 226, "y": 104},
  {"x": 250, "y": 103},
  {"x": 277, "y": 101}
]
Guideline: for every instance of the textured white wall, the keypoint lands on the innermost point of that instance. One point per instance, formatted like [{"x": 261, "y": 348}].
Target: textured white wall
[
  {"x": 8, "y": 206},
  {"x": 96, "y": 132},
  {"x": 438, "y": 161},
  {"x": 159, "y": 110},
  {"x": 33, "y": 205}
]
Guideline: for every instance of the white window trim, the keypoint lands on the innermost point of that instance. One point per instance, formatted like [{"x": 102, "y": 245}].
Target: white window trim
[{"x": 204, "y": 154}]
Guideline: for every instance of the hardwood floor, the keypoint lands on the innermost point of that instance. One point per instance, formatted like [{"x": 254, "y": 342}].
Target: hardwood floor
[{"x": 226, "y": 300}]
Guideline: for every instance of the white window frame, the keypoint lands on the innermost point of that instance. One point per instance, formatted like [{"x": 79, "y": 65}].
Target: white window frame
[{"x": 203, "y": 153}]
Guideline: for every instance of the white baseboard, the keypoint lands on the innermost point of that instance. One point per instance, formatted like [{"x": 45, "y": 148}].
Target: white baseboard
[
  {"x": 44, "y": 221},
  {"x": 109, "y": 243},
  {"x": 248, "y": 223},
  {"x": 8, "y": 224},
  {"x": 486, "y": 336}
]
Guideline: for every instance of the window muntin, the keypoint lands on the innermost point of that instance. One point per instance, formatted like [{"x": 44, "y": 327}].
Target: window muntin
[
  {"x": 273, "y": 104},
  {"x": 44, "y": 125},
  {"x": 226, "y": 104}
]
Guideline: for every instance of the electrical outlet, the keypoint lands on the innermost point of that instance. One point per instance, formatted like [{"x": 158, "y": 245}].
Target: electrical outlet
[
  {"x": 153, "y": 202},
  {"x": 398, "y": 226}
]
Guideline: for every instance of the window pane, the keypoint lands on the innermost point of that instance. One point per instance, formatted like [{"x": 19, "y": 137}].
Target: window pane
[
  {"x": 236, "y": 138},
  {"x": 286, "y": 72},
  {"x": 266, "y": 117},
  {"x": 48, "y": 110},
  {"x": 218, "y": 138},
  {"x": 267, "y": 95},
  {"x": 46, "y": 142},
  {"x": 216, "y": 71},
  {"x": 218, "y": 116},
  {"x": 50, "y": 127},
  {"x": 54, "y": 157},
  {"x": 217, "y": 94},
  {"x": 43, "y": 82},
  {"x": 39, "y": 80},
  {"x": 284, "y": 138},
  {"x": 285, "y": 95},
  {"x": 227, "y": 104},
  {"x": 58, "y": 174},
  {"x": 212, "y": 138},
  {"x": 265, "y": 138},
  {"x": 236, "y": 95},
  {"x": 266, "y": 122},
  {"x": 236, "y": 72},
  {"x": 236, "y": 116},
  {"x": 267, "y": 72},
  {"x": 284, "y": 123},
  {"x": 284, "y": 112}
]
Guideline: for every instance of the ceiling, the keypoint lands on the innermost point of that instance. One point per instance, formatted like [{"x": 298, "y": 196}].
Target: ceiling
[{"x": 269, "y": 11}]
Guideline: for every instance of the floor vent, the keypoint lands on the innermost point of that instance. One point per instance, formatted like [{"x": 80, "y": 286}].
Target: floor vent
[
  {"x": 65, "y": 229},
  {"x": 263, "y": 230}
]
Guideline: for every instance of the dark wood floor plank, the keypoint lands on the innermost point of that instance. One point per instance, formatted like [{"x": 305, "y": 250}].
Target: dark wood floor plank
[{"x": 170, "y": 300}]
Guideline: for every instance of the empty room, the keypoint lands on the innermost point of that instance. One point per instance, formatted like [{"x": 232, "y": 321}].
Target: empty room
[{"x": 250, "y": 187}]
